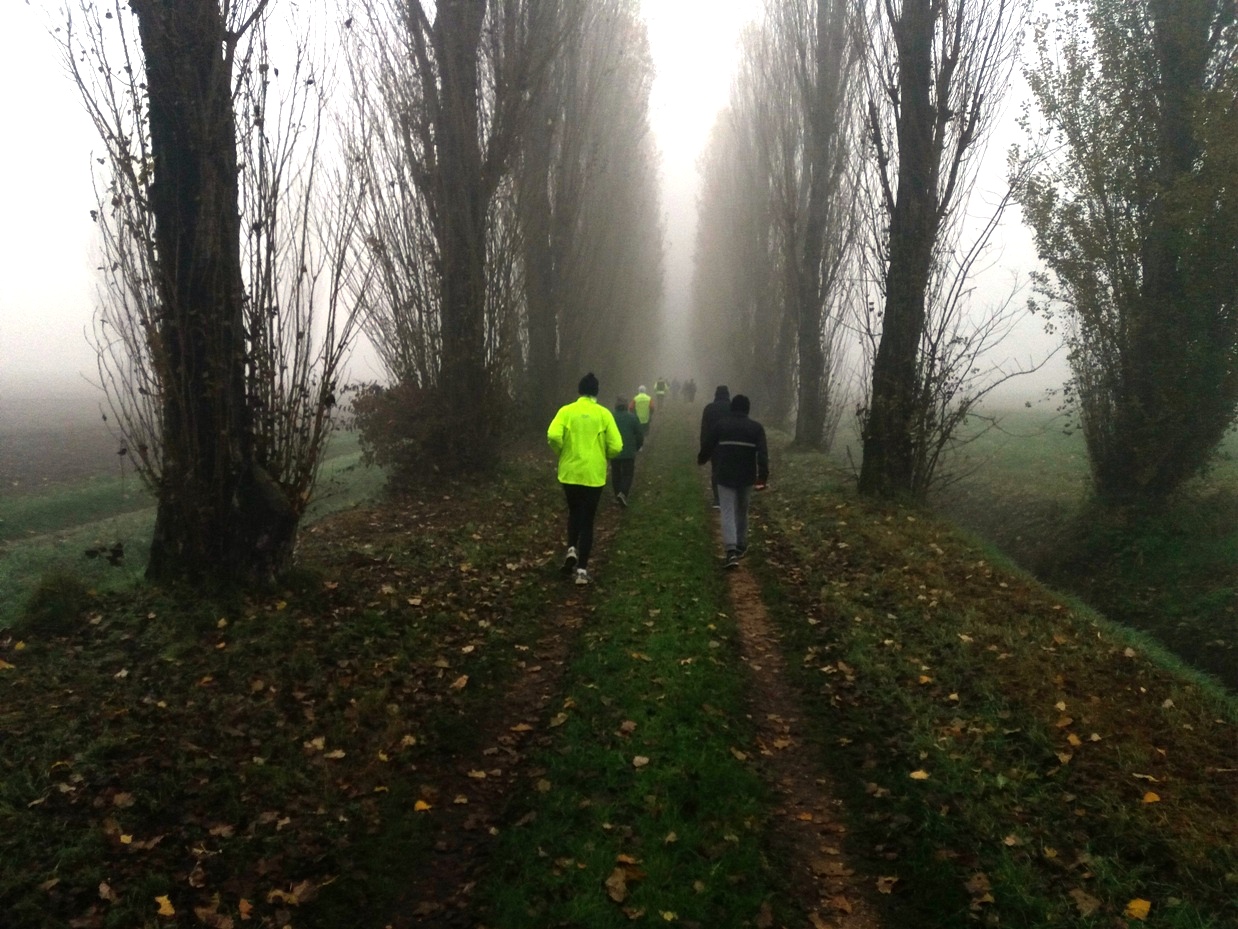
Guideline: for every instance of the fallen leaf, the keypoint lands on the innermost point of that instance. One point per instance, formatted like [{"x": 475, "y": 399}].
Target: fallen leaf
[
  {"x": 522, "y": 727},
  {"x": 245, "y": 908},
  {"x": 639, "y": 761},
  {"x": 1138, "y": 909},
  {"x": 421, "y": 806},
  {"x": 617, "y": 885},
  {"x": 106, "y": 893},
  {"x": 460, "y": 683},
  {"x": 920, "y": 775},
  {"x": 165, "y": 906},
  {"x": 1086, "y": 903},
  {"x": 1151, "y": 797},
  {"x": 739, "y": 755},
  {"x": 5, "y": 666},
  {"x": 885, "y": 885}
]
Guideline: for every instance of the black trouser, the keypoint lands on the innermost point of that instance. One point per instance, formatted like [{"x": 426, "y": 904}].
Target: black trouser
[
  {"x": 622, "y": 470},
  {"x": 582, "y": 506}
]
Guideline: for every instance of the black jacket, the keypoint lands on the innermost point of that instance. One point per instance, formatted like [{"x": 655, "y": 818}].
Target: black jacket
[
  {"x": 721, "y": 406},
  {"x": 736, "y": 445}
]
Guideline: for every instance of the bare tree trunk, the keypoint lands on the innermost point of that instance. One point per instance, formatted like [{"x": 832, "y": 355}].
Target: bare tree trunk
[
  {"x": 464, "y": 198},
  {"x": 219, "y": 513},
  {"x": 889, "y": 450}
]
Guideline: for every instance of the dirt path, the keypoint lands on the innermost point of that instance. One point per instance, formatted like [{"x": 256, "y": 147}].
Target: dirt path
[{"x": 832, "y": 893}]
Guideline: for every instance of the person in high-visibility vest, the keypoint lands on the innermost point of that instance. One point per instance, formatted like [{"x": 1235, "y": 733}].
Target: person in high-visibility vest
[
  {"x": 660, "y": 388},
  {"x": 642, "y": 406}
]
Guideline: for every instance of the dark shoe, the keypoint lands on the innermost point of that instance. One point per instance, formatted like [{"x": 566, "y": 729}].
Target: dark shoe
[
  {"x": 732, "y": 560},
  {"x": 569, "y": 560},
  {"x": 741, "y": 551},
  {"x": 623, "y": 500}
]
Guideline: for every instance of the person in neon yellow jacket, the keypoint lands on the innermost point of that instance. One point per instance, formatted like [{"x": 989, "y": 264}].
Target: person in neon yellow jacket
[
  {"x": 585, "y": 436},
  {"x": 642, "y": 406}
]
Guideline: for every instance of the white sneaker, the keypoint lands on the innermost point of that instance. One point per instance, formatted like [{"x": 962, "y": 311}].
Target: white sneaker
[
  {"x": 569, "y": 560},
  {"x": 582, "y": 577}
]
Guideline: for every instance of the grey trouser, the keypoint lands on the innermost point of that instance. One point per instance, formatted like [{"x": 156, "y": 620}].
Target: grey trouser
[{"x": 734, "y": 504}]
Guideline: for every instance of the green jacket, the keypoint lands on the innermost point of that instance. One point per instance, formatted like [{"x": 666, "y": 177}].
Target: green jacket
[
  {"x": 585, "y": 435},
  {"x": 629, "y": 428}
]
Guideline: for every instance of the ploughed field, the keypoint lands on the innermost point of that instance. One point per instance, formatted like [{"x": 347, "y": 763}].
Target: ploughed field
[{"x": 47, "y": 443}]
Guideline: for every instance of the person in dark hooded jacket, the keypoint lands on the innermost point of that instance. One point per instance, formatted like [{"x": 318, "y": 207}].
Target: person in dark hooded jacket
[
  {"x": 720, "y": 406},
  {"x": 736, "y": 445}
]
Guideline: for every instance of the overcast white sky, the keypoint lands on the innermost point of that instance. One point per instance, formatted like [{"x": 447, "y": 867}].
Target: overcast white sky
[{"x": 47, "y": 241}]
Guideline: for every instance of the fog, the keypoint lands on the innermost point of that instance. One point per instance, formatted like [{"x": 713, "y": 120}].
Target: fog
[{"x": 48, "y": 242}]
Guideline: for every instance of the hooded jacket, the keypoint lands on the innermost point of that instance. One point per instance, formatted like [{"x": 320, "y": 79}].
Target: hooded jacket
[
  {"x": 736, "y": 445},
  {"x": 714, "y": 411},
  {"x": 584, "y": 435}
]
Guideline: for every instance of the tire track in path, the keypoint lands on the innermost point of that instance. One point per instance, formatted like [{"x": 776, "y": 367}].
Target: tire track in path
[{"x": 811, "y": 828}]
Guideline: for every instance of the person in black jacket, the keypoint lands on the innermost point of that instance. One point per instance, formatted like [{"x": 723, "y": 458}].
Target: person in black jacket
[
  {"x": 736, "y": 446},
  {"x": 720, "y": 406}
]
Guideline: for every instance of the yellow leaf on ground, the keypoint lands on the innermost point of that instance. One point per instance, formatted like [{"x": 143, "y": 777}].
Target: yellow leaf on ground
[
  {"x": 460, "y": 683},
  {"x": 885, "y": 885},
  {"x": 421, "y": 806},
  {"x": 1151, "y": 797},
  {"x": 245, "y": 908},
  {"x": 165, "y": 906},
  {"x": 1138, "y": 909},
  {"x": 639, "y": 761},
  {"x": 5, "y": 666},
  {"x": 920, "y": 775}
]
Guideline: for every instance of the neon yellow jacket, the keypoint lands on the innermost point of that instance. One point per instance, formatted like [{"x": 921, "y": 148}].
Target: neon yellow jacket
[
  {"x": 642, "y": 406},
  {"x": 584, "y": 434}
]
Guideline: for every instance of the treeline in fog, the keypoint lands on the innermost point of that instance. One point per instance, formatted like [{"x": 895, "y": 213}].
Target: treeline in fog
[
  {"x": 843, "y": 225},
  {"x": 472, "y": 184}
]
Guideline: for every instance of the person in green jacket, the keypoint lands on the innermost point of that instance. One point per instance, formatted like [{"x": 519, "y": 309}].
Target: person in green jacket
[
  {"x": 642, "y": 406},
  {"x": 623, "y": 465},
  {"x": 584, "y": 435}
]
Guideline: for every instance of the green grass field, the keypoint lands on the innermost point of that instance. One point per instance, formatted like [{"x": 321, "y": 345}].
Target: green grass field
[
  {"x": 1174, "y": 574},
  {"x": 50, "y": 533}
]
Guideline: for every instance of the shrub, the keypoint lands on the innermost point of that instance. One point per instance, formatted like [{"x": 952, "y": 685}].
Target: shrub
[{"x": 55, "y": 607}]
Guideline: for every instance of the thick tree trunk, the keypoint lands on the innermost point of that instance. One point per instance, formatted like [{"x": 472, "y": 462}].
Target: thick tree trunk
[
  {"x": 220, "y": 516},
  {"x": 541, "y": 278},
  {"x": 464, "y": 199},
  {"x": 888, "y": 469}
]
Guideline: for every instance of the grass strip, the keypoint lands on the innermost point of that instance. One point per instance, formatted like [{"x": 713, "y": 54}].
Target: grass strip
[
  {"x": 642, "y": 802},
  {"x": 1006, "y": 754}
]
